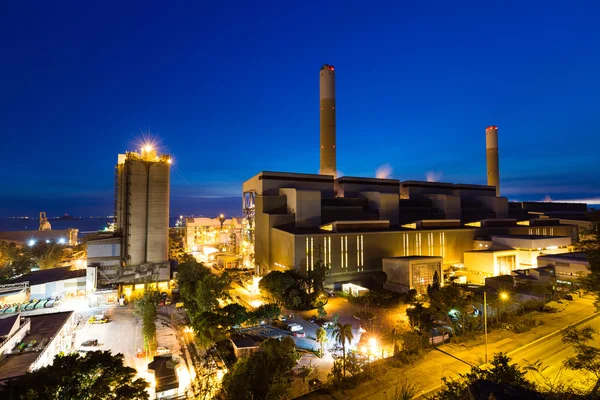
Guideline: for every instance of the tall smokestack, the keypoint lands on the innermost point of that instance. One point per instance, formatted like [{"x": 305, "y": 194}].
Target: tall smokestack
[
  {"x": 327, "y": 100},
  {"x": 493, "y": 167}
]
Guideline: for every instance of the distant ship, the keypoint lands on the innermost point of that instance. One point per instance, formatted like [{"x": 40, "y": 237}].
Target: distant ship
[{"x": 65, "y": 217}]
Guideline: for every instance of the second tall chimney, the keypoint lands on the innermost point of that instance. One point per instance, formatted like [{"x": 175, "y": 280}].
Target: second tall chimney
[
  {"x": 493, "y": 167},
  {"x": 327, "y": 104}
]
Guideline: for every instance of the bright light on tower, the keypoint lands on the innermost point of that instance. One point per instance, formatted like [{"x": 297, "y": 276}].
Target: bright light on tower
[{"x": 147, "y": 148}]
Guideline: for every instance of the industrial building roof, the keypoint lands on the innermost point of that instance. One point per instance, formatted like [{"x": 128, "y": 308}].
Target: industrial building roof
[
  {"x": 6, "y": 324},
  {"x": 528, "y": 237},
  {"x": 581, "y": 256},
  {"x": 412, "y": 257},
  {"x": 50, "y": 275},
  {"x": 244, "y": 341},
  {"x": 291, "y": 228},
  {"x": 43, "y": 328}
]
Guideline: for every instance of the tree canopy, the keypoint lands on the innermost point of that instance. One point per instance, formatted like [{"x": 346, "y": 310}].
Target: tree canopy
[
  {"x": 261, "y": 375},
  {"x": 96, "y": 376}
]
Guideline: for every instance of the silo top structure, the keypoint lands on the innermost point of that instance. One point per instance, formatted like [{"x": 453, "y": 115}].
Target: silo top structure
[
  {"x": 493, "y": 166},
  {"x": 327, "y": 104}
]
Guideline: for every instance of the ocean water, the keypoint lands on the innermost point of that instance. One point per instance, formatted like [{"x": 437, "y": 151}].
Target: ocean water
[{"x": 85, "y": 225}]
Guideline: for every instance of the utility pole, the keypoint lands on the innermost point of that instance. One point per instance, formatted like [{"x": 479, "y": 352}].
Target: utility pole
[{"x": 485, "y": 324}]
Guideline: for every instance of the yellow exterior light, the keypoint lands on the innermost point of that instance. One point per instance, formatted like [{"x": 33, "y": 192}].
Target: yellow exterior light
[{"x": 504, "y": 296}]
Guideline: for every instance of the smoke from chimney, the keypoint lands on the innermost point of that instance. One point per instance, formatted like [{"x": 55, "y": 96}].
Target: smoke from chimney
[
  {"x": 433, "y": 176},
  {"x": 384, "y": 171}
]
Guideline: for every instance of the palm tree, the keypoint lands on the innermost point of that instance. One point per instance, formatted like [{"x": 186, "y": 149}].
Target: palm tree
[
  {"x": 321, "y": 338},
  {"x": 343, "y": 334}
]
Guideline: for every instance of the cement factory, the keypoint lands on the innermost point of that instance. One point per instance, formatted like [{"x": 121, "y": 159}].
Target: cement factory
[{"x": 357, "y": 226}]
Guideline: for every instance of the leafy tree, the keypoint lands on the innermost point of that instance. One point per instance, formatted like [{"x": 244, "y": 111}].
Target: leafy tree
[
  {"x": 145, "y": 309},
  {"x": 317, "y": 275},
  {"x": 14, "y": 261},
  {"x": 501, "y": 372},
  {"x": 590, "y": 242},
  {"x": 275, "y": 285},
  {"x": 352, "y": 362},
  {"x": 586, "y": 358},
  {"x": 234, "y": 314},
  {"x": 306, "y": 371},
  {"x": 321, "y": 313},
  {"x": 267, "y": 311},
  {"x": 412, "y": 342},
  {"x": 96, "y": 376},
  {"x": 48, "y": 255},
  {"x": 261, "y": 375},
  {"x": 321, "y": 339},
  {"x": 343, "y": 335},
  {"x": 434, "y": 287},
  {"x": 209, "y": 328}
]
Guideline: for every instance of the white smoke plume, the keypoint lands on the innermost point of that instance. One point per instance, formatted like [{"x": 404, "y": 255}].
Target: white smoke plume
[
  {"x": 384, "y": 172},
  {"x": 433, "y": 176}
]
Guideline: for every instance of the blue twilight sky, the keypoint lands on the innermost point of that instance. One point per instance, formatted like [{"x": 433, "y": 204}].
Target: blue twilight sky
[{"x": 231, "y": 89}]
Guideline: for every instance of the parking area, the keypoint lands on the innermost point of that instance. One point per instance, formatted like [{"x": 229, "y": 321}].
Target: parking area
[{"x": 121, "y": 333}]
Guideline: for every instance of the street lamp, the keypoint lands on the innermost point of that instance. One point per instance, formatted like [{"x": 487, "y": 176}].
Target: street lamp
[
  {"x": 221, "y": 220},
  {"x": 503, "y": 297}
]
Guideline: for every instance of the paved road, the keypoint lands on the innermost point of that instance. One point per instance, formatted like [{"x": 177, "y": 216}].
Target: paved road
[
  {"x": 428, "y": 371},
  {"x": 552, "y": 352}
]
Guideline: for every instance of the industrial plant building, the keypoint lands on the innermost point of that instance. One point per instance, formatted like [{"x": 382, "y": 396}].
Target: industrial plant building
[
  {"x": 358, "y": 226},
  {"x": 137, "y": 251}
]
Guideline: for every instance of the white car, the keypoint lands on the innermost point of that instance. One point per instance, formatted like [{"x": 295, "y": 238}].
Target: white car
[{"x": 295, "y": 327}]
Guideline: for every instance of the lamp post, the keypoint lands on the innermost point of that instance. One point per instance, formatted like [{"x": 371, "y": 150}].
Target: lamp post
[
  {"x": 485, "y": 324},
  {"x": 221, "y": 220},
  {"x": 503, "y": 297}
]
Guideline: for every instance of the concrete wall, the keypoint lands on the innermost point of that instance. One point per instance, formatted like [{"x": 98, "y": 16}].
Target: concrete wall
[
  {"x": 448, "y": 204},
  {"x": 386, "y": 204},
  {"x": 378, "y": 245},
  {"x": 305, "y": 204},
  {"x": 268, "y": 183},
  {"x": 58, "y": 288},
  {"x": 498, "y": 205},
  {"x": 398, "y": 274}
]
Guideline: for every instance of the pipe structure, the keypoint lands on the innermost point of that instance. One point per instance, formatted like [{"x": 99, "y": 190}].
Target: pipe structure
[
  {"x": 327, "y": 103},
  {"x": 493, "y": 165}
]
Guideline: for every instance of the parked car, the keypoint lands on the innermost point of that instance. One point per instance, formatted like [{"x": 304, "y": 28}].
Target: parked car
[
  {"x": 283, "y": 318},
  {"x": 299, "y": 334},
  {"x": 90, "y": 343},
  {"x": 295, "y": 327},
  {"x": 98, "y": 319}
]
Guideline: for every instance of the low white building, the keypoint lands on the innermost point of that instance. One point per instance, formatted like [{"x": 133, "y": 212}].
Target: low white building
[
  {"x": 54, "y": 282},
  {"x": 47, "y": 335},
  {"x": 569, "y": 267},
  {"x": 411, "y": 272}
]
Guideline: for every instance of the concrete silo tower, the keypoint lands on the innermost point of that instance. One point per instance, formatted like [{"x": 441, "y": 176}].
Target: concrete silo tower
[
  {"x": 493, "y": 166},
  {"x": 327, "y": 103}
]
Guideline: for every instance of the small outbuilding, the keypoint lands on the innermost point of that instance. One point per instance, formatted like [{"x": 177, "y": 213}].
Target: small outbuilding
[{"x": 412, "y": 272}]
